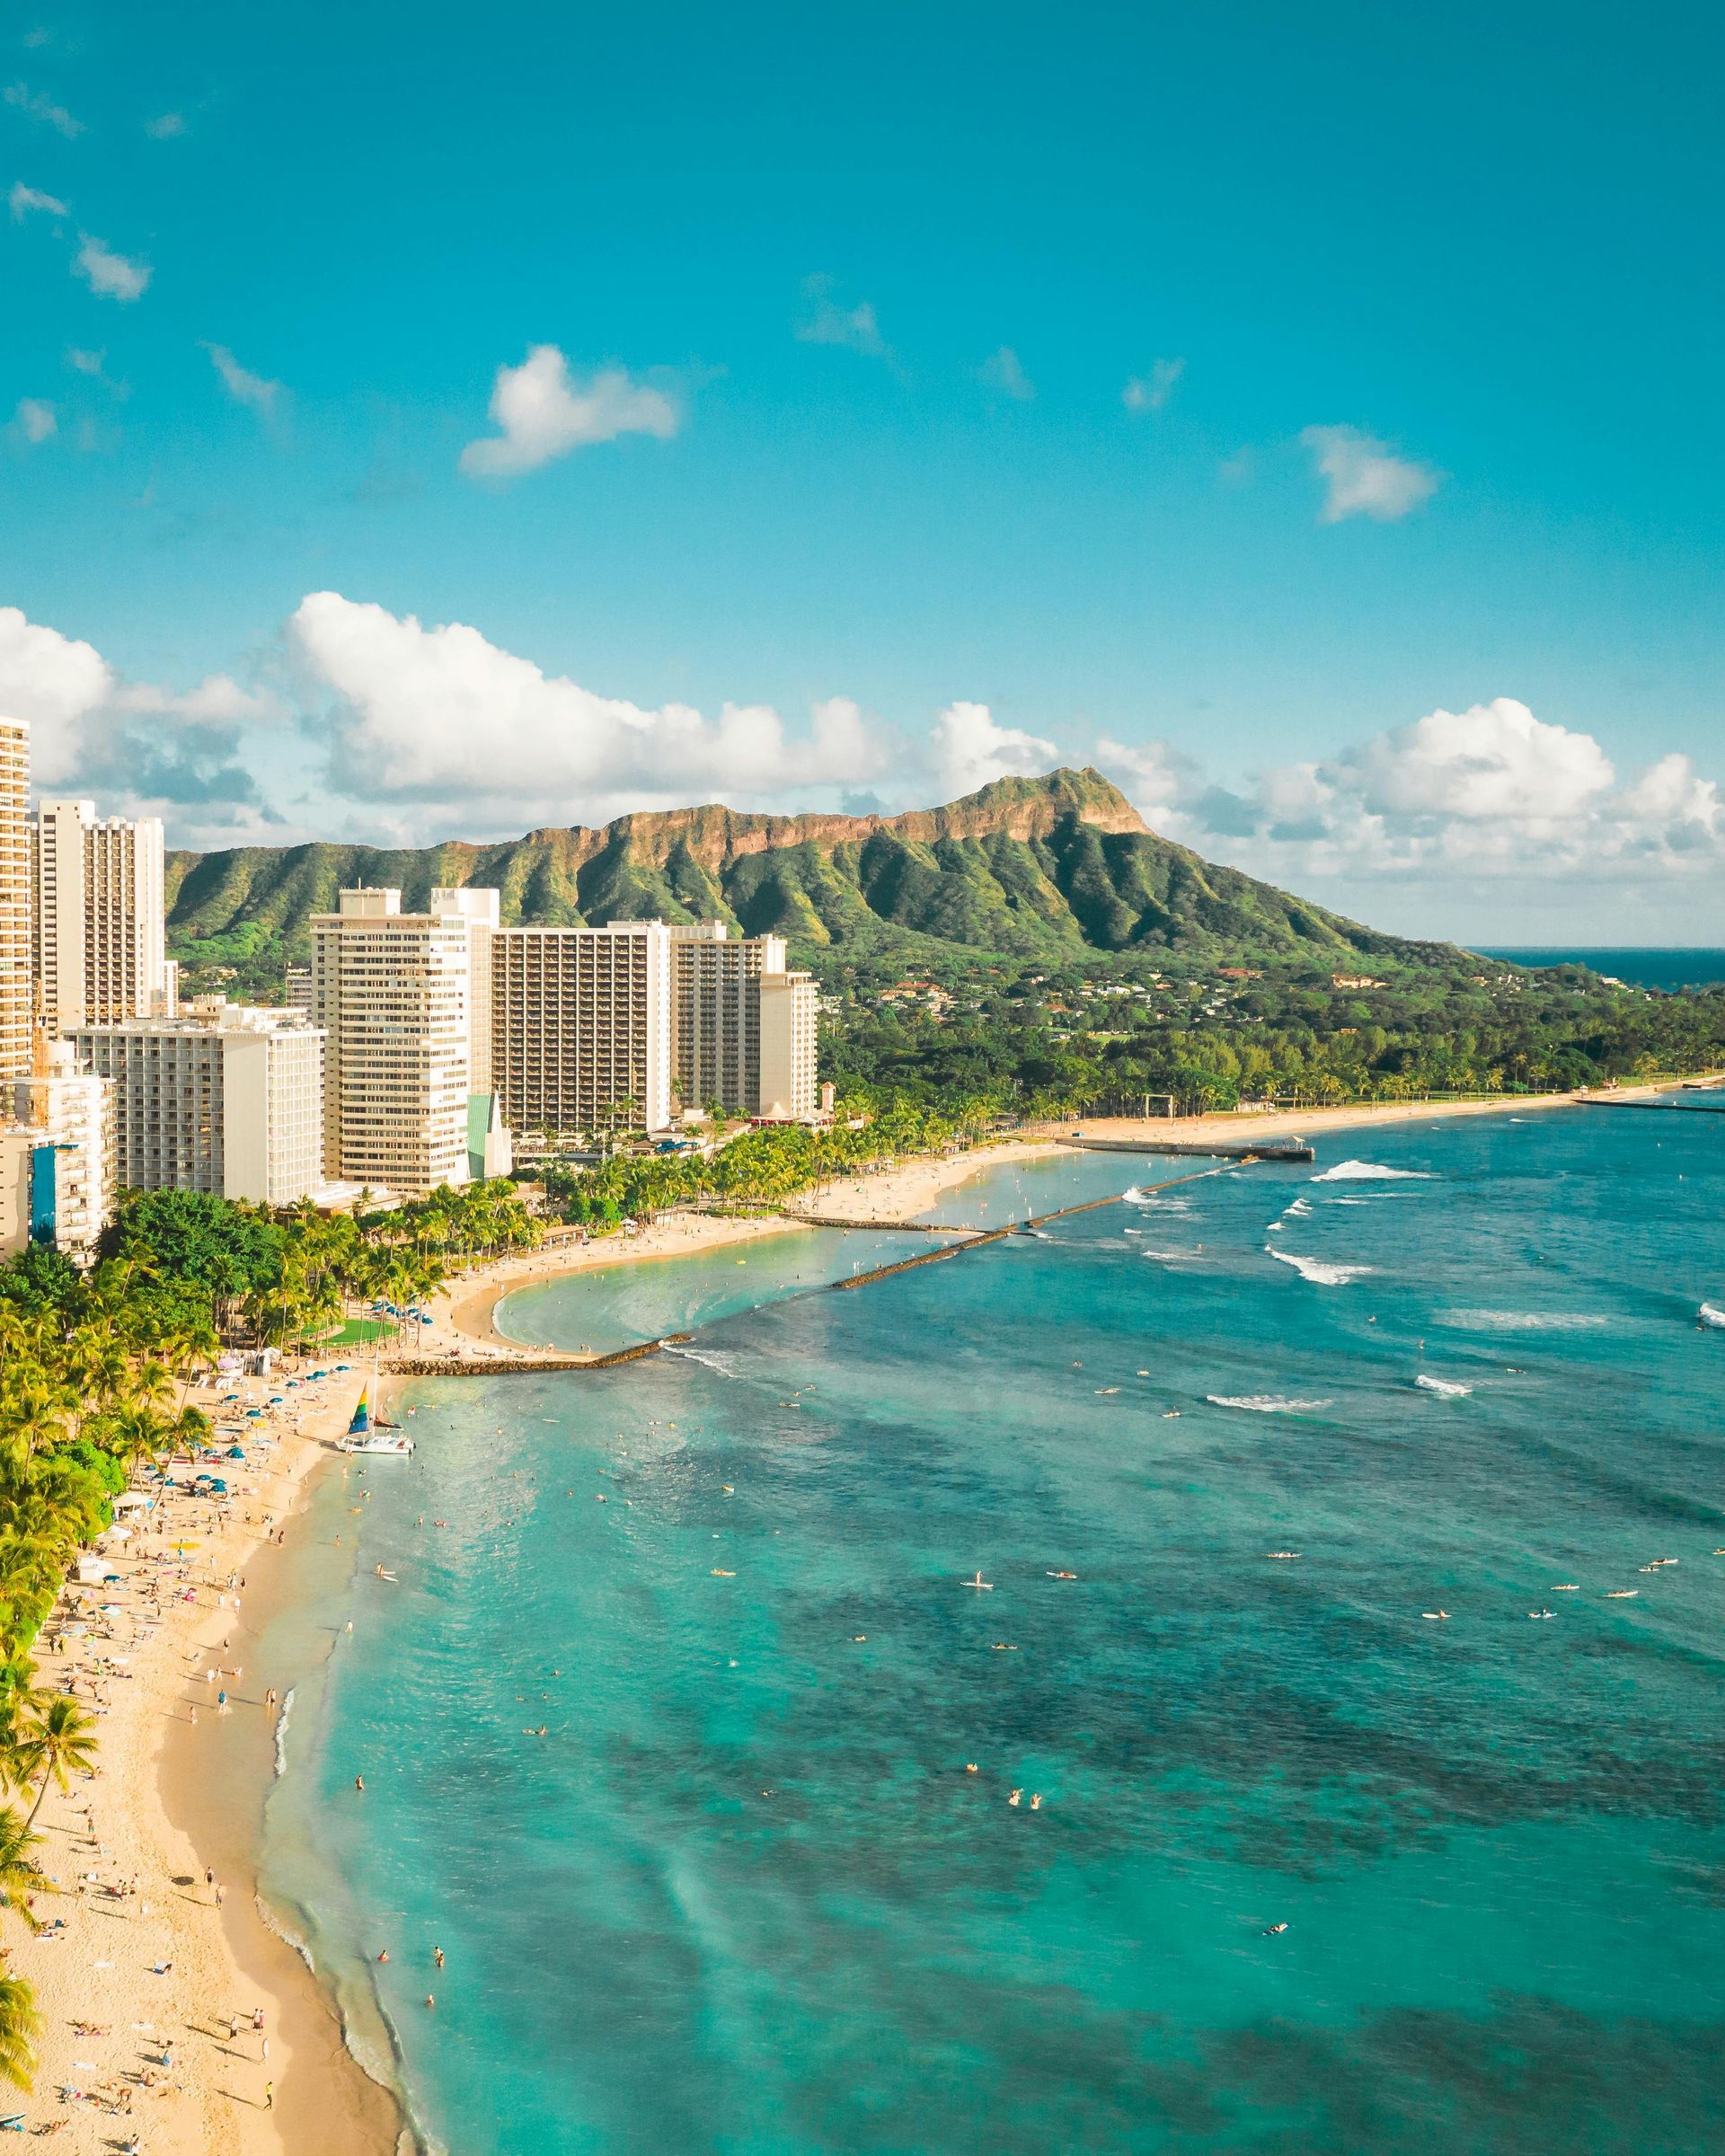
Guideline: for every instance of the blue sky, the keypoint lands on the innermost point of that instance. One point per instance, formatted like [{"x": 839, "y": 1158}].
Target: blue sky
[{"x": 1395, "y": 577}]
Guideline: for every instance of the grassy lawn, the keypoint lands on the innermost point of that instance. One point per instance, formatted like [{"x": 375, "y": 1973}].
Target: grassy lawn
[{"x": 356, "y": 1332}]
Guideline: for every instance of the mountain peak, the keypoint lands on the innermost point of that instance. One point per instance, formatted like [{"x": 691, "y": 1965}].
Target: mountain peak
[{"x": 1024, "y": 807}]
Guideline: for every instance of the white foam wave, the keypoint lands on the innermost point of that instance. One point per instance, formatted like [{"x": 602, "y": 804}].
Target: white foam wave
[
  {"x": 281, "y": 1730},
  {"x": 1266, "y": 1403},
  {"x": 1298, "y": 1210},
  {"x": 1521, "y": 1321},
  {"x": 1710, "y": 1313},
  {"x": 1368, "y": 1171},
  {"x": 1446, "y": 1388},
  {"x": 1321, "y": 1272},
  {"x": 705, "y": 1355},
  {"x": 1166, "y": 1257},
  {"x": 1135, "y": 1196}
]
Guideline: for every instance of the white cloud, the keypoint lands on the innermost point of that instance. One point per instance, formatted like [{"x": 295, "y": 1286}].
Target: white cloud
[
  {"x": 1490, "y": 792},
  {"x": 970, "y": 749},
  {"x": 440, "y": 714},
  {"x": 40, "y": 106},
  {"x": 244, "y": 386},
  {"x": 136, "y": 745},
  {"x": 545, "y": 412},
  {"x": 1001, "y": 371},
  {"x": 23, "y": 200},
  {"x": 1493, "y": 762},
  {"x": 35, "y": 419},
  {"x": 109, "y": 275},
  {"x": 1363, "y": 477},
  {"x": 1151, "y": 391},
  {"x": 829, "y": 322},
  {"x": 166, "y": 125}
]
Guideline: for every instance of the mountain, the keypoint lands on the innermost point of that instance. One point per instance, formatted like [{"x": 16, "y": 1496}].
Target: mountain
[{"x": 1055, "y": 869}]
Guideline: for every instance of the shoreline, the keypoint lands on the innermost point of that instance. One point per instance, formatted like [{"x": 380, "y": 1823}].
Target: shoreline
[
  {"x": 465, "y": 1311},
  {"x": 164, "y": 1968},
  {"x": 177, "y": 1798}
]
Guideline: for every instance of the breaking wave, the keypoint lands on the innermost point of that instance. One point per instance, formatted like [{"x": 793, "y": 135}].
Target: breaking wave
[
  {"x": 1367, "y": 1172},
  {"x": 1267, "y": 1404},
  {"x": 1710, "y": 1313},
  {"x": 706, "y": 1356},
  {"x": 1321, "y": 1272},
  {"x": 1446, "y": 1388},
  {"x": 1520, "y": 1321},
  {"x": 281, "y": 1730}
]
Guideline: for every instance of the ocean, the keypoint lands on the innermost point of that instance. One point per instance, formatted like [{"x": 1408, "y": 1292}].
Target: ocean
[
  {"x": 705, "y": 1791},
  {"x": 1641, "y": 968}
]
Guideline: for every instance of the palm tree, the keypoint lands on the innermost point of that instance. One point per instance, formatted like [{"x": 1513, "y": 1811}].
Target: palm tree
[
  {"x": 20, "y": 1875},
  {"x": 19, "y": 2025},
  {"x": 58, "y": 1735}
]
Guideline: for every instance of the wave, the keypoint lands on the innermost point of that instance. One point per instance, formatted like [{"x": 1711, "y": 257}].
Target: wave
[
  {"x": 1367, "y": 1172},
  {"x": 1520, "y": 1321},
  {"x": 1446, "y": 1388},
  {"x": 1167, "y": 1257},
  {"x": 1710, "y": 1313},
  {"x": 1135, "y": 1196},
  {"x": 1267, "y": 1404},
  {"x": 281, "y": 1730},
  {"x": 705, "y": 1355},
  {"x": 1319, "y": 1271},
  {"x": 1298, "y": 1210}
]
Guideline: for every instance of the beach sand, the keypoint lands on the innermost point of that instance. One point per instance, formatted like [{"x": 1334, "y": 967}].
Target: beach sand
[{"x": 175, "y": 1799}]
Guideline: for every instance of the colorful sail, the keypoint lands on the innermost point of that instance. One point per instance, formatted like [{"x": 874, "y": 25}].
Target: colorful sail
[{"x": 361, "y": 1421}]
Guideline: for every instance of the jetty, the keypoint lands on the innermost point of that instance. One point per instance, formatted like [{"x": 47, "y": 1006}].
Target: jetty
[{"x": 1213, "y": 1149}]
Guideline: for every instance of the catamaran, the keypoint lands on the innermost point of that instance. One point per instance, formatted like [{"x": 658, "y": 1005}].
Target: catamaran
[{"x": 379, "y": 1439}]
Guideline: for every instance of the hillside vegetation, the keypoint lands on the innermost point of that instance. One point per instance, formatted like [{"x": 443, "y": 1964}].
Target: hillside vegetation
[{"x": 1054, "y": 869}]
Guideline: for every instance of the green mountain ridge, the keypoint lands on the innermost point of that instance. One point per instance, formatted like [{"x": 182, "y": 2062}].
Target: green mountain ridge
[{"x": 1059, "y": 869}]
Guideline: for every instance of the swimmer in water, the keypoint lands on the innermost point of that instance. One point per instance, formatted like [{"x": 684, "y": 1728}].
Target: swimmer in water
[
  {"x": 359, "y": 1783},
  {"x": 1015, "y": 1796}
]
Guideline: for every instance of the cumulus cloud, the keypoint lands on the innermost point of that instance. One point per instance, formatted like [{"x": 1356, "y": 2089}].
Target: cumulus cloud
[
  {"x": 970, "y": 749},
  {"x": 440, "y": 714},
  {"x": 543, "y": 412},
  {"x": 35, "y": 421},
  {"x": 1364, "y": 477},
  {"x": 829, "y": 322},
  {"x": 23, "y": 200},
  {"x": 245, "y": 387},
  {"x": 1490, "y": 792},
  {"x": 1151, "y": 391},
  {"x": 109, "y": 275},
  {"x": 40, "y": 106},
  {"x": 137, "y": 745},
  {"x": 1001, "y": 371}
]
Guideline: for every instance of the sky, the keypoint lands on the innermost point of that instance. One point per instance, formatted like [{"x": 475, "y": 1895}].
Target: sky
[{"x": 416, "y": 423}]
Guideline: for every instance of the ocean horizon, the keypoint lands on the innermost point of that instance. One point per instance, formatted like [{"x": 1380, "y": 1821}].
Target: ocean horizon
[
  {"x": 1652, "y": 965},
  {"x": 706, "y": 1791}
]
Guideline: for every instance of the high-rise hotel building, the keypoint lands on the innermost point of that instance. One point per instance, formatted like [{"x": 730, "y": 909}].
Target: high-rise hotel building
[
  {"x": 789, "y": 1024},
  {"x": 716, "y": 1014},
  {"x": 393, "y": 993},
  {"x": 227, "y": 1099},
  {"x": 15, "y": 899},
  {"x": 98, "y": 941},
  {"x": 581, "y": 1027}
]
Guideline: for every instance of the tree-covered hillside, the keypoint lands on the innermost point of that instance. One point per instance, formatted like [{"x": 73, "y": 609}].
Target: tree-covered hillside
[{"x": 1057, "y": 869}]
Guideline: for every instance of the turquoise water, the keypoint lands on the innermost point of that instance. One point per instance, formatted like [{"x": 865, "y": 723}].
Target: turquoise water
[{"x": 743, "y": 1894}]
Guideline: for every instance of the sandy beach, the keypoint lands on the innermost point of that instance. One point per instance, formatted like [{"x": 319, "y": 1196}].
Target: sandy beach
[{"x": 150, "y": 1981}]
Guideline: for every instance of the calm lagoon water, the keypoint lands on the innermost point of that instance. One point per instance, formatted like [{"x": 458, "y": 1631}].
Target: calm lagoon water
[{"x": 743, "y": 1894}]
